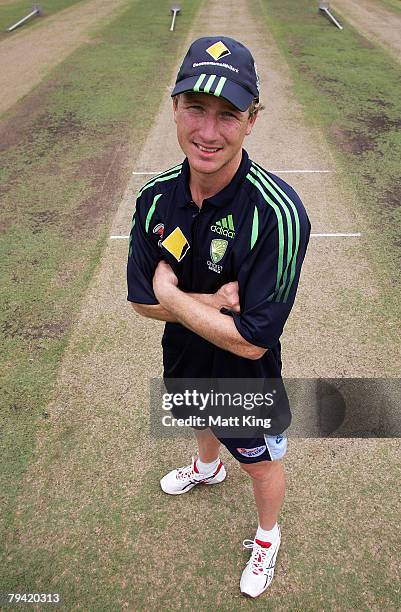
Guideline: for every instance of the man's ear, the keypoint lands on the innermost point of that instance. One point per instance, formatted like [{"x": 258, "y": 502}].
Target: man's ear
[
  {"x": 251, "y": 122},
  {"x": 175, "y": 106}
]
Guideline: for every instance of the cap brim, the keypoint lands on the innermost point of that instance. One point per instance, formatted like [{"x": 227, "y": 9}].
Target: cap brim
[{"x": 232, "y": 92}]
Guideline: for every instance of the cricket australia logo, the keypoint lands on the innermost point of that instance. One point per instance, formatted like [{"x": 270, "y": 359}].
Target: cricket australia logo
[
  {"x": 218, "y": 248},
  {"x": 224, "y": 227}
]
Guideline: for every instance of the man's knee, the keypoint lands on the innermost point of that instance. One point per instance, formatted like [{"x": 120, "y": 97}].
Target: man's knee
[{"x": 262, "y": 469}]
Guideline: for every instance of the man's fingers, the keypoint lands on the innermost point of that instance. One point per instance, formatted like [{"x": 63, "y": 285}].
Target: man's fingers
[{"x": 232, "y": 286}]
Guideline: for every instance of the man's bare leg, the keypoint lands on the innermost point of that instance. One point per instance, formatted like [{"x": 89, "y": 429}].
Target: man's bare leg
[
  {"x": 268, "y": 480},
  {"x": 208, "y": 445},
  {"x": 184, "y": 479}
]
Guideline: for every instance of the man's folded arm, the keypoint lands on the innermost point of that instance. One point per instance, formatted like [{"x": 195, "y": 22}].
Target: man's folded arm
[
  {"x": 208, "y": 322},
  {"x": 159, "y": 312},
  {"x": 154, "y": 311}
]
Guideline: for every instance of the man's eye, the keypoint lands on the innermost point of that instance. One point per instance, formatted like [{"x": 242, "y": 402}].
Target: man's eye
[{"x": 229, "y": 115}]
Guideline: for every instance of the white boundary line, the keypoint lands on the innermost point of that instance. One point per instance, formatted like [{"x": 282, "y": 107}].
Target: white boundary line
[
  {"x": 280, "y": 171},
  {"x": 327, "y": 235}
]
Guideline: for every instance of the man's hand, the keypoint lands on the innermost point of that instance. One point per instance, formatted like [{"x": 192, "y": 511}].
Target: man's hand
[
  {"x": 201, "y": 315},
  {"x": 164, "y": 280},
  {"x": 228, "y": 297}
]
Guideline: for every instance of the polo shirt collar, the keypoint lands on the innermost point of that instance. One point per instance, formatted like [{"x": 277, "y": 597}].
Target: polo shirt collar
[{"x": 221, "y": 198}]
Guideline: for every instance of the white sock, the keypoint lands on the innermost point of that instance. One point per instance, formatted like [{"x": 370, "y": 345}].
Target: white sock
[
  {"x": 207, "y": 468},
  {"x": 267, "y": 536}
]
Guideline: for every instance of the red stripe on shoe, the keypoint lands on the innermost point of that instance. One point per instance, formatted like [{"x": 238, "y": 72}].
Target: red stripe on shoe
[
  {"x": 263, "y": 544},
  {"x": 217, "y": 470},
  {"x": 211, "y": 475}
]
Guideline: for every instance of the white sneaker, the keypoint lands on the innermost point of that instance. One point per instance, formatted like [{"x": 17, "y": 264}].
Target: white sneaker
[
  {"x": 259, "y": 570},
  {"x": 185, "y": 478}
]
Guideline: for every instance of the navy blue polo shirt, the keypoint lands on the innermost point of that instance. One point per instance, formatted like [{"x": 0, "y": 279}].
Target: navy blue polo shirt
[{"x": 254, "y": 231}]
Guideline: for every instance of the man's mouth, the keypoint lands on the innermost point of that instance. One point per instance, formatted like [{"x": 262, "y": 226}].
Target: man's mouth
[{"x": 206, "y": 149}]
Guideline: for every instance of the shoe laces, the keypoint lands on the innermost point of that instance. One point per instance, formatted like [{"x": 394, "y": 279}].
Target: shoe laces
[
  {"x": 186, "y": 472},
  {"x": 259, "y": 556}
]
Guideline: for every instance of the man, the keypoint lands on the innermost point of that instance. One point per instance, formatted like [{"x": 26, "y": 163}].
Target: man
[{"x": 216, "y": 249}]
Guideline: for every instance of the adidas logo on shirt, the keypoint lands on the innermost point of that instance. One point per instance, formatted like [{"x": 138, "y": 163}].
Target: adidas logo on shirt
[{"x": 224, "y": 227}]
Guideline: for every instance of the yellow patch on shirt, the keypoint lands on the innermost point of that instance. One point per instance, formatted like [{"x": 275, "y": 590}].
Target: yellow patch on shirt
[{"x": 176, "y": 244}]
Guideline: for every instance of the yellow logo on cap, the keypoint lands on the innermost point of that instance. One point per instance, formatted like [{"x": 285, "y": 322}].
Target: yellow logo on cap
[
  {"x": 176, "y": 244},
  {"x": 218, "y": 50}
]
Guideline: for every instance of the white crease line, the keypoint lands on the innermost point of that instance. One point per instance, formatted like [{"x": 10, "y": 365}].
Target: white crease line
[
  {"x": 301, "y": 171},
  {"x": 335, "y": 235},
  {"x": 357, "y": 235},
  {"x": 280, "y": 171}
]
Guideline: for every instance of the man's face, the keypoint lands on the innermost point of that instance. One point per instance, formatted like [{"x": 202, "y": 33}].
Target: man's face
[{"x": 210, "y": 131}]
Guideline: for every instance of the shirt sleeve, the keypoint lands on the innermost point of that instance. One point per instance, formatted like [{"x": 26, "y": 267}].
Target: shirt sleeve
[
  {"x": 143, "y": 257},
  {"x": 269, "y": 276}
]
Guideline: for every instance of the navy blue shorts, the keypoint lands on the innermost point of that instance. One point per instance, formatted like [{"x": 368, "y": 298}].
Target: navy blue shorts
[
  {"x": 188, "y": 356},
  {"x": 253, "y": 450}
]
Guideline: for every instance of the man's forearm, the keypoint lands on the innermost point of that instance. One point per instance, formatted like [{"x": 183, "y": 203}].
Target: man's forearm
[
  {"x": 154, "y": 311},
  {"x": 206, "y": 321},
  {"x": 161, "y": 313},
  {"x": 205, "y": 298}
]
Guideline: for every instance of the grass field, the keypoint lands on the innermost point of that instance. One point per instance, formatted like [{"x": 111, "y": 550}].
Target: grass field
[
  {"x": 11, "y": 13},
  {"x": 351, "y": 89},
  {"x": 392, "y": 4},
  {"x": 65, "y": 165},
  {"x": 63, "y": 172}
]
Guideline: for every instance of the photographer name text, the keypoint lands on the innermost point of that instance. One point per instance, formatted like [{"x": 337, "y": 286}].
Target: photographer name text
[{"x": 217, "y": 421}]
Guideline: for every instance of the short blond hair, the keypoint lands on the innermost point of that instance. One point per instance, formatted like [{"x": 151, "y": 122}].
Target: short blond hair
[{"x": 254, "y": 108}]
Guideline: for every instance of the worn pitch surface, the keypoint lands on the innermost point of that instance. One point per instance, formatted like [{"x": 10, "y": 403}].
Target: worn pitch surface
[{"x": 91, "y": 500}]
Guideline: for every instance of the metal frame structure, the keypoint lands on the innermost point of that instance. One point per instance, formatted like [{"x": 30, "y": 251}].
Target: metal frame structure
[
  {"x": 36, "y": 12},
  {"x": 174, "y": 11},
  {"x": 325, "y": 8}
]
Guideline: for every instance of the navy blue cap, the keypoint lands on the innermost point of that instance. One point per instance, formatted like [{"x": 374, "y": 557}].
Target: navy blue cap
[{"x": 222, "y": 67}]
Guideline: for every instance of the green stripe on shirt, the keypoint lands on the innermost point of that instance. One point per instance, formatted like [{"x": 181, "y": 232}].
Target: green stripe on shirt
[
  {"x": 151, "y": 211},
  {"x": 255, "y": 227},
  {"x": 280, "y": 195},
  {"x": 279, "y": 216}
]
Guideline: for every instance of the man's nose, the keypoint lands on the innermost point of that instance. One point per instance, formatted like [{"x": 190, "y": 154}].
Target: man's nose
[{"x": 208, "y": 129}]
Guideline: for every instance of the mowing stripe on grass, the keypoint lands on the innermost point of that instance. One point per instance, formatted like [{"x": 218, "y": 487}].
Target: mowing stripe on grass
[
  {"x": 62, "y": 138},
  {"x": 350, "y": 88},
  {"x": 13, "y": 12}
]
